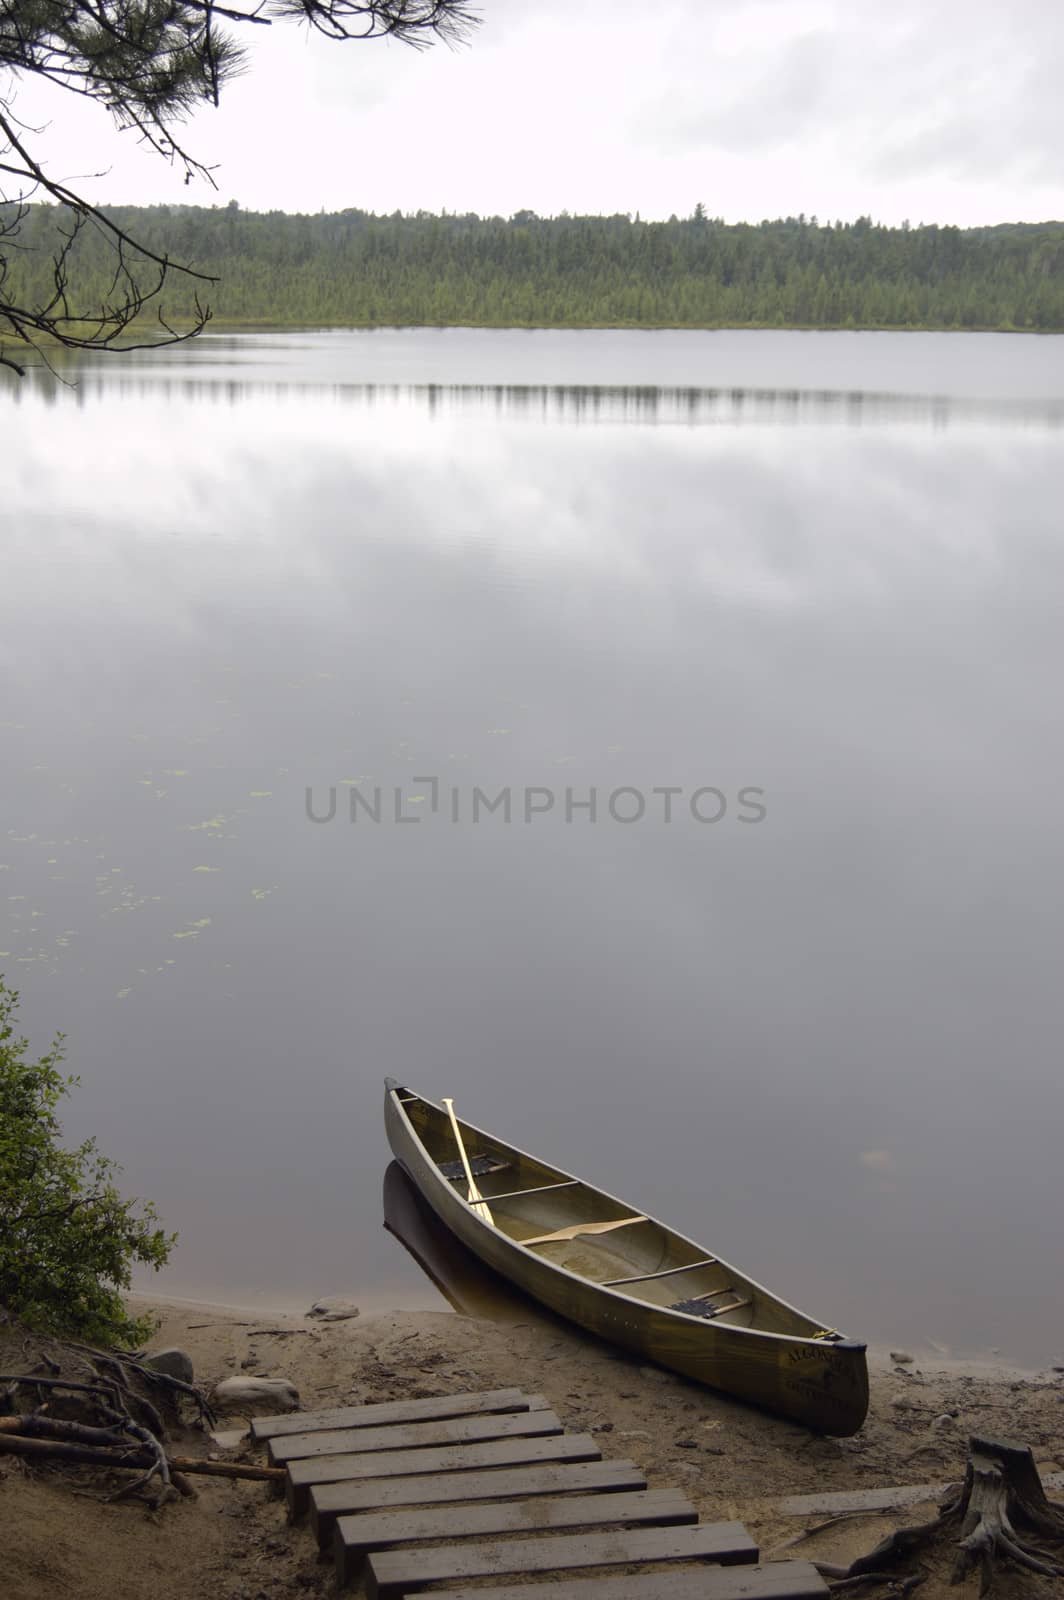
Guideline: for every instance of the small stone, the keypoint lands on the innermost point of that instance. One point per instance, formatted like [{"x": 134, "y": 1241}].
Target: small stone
[
  {"x": 946, "y": 1420},
  {"x": 333, "y": 1308},
  {"x": 902, "y": 1357},
  {"x": 686, "y": 1444},
  {"x": 602, "y": 1427},
  {"x": 172, "y": 1363},
  {"x": 254, "y": 1395},
  {"x": 229, "y": 1438}
]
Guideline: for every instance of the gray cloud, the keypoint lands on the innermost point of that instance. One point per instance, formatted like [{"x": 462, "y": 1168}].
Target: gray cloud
[
  {"x": 971, "y": 92},
  {"x": 931, "y": 109}
]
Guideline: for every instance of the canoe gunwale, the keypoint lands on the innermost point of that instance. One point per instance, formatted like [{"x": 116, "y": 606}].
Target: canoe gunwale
[{"x": 687, "y": 1318}]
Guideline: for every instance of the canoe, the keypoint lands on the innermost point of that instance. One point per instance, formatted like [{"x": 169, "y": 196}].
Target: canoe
[{"x": 626, "y": 1277}]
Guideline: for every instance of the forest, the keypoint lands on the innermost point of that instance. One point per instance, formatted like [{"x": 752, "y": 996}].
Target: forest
[{"x": 357, "y": 269}]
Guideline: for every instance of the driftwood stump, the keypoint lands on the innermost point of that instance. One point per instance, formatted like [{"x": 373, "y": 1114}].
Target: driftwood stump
[{"x": 1000, "y": 1512}]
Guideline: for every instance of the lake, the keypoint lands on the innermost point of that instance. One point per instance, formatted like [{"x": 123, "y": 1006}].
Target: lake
[{"x": 651, "y": 739}]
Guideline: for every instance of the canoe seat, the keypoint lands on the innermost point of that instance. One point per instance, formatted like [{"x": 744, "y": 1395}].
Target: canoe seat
[
  {"x": 699, "y": 1307},
  {"x": 479, "y": 1166}
]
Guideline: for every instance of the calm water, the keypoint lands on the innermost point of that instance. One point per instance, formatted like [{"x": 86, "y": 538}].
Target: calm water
[{"x": 814, "y": 576}]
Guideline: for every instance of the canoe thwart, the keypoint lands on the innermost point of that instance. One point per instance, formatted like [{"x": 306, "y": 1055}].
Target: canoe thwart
[
  {"x": 561, "y": 1234},
  {"x": 541, "y": 1188},
  {"x": 667, "y": 1272}
]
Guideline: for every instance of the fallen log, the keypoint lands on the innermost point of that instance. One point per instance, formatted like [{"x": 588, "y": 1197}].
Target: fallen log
[
  {"x": 226, "y": 1469},
  {"x": 130, "y": 1460}
]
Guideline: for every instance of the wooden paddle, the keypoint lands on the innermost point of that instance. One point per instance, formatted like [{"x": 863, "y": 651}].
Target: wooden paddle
[
  {"x": 562, "y": 1234},
  {"x": 476, "y": 1199}
]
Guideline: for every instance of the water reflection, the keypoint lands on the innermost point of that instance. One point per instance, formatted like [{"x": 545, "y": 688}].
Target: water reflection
[
  {"x": 828, "y": 1045},
  {"x": 464, "y": 1281},
  {"x": 570, "y": 403}
]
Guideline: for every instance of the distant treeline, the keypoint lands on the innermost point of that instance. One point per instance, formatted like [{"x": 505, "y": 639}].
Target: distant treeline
[{"x": 357, "y": 269}]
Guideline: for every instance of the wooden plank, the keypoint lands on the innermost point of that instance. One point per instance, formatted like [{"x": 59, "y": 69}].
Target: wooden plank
[
  {"x": 384, "y": 1413},
  {"x": 330, "y": 1500},
  {"x": 390, "y": 1574},
  {"x": 357, "y": 1536},
  {"x": 300, "y": 1475},
  {"x": 910, "y": 1494},
  {"x": 778, "y": 1580},
  {"x": 412, "y": 1435}
]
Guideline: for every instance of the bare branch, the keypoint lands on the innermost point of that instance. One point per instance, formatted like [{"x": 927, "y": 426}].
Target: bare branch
[{"x": 149, "y": 63}]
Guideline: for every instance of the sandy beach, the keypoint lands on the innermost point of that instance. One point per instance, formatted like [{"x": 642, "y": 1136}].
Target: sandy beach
[{"x": 233, "y": 1543}]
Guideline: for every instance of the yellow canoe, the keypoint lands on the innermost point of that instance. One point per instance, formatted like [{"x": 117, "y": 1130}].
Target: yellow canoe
[{"x": 625, "y": 1276}]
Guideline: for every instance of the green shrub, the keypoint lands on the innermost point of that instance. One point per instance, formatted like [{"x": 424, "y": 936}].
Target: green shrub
[{"x": 68, "y": 1240}]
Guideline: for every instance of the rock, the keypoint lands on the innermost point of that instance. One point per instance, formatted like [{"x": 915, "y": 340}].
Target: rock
[
  {"x": 902, "y": 1357},
  {"x": 333, "y": 1308},
  {"x": 230, "y": 1438},
  {"x": 946, "y": 1420},
  {"x": 172, "y": 1363},
  {"x": 253, "y": 1395}
]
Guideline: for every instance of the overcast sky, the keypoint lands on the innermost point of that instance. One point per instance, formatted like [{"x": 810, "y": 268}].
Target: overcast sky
[{"x": 932, "y": 110}]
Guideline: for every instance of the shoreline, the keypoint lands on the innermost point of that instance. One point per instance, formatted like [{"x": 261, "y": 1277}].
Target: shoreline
[
  {"x": 927, "y": 1363},
  {"x": 833, "y": 1498}
]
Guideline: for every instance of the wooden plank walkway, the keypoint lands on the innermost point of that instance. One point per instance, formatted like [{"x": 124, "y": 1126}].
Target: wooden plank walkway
[
  {"x": 331, "y": 1500},
  {"x": 778, "y": 1580},
  {"x": 386, "y": 1484},
  {"x": 358, "y": 1536},
  {"x": 432, "y": 1409},
  {"x": 390, "y": 1574},
  {"x": 300, "y": 1475},
  {"x": 412, "y": 1435}
]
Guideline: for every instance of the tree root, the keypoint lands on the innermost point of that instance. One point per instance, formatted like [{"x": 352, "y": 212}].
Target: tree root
[
  {"x": 996, "y": 1511},
  {"x": 123, "y": 1441},
  {"x": 58, "y": 1449}
]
